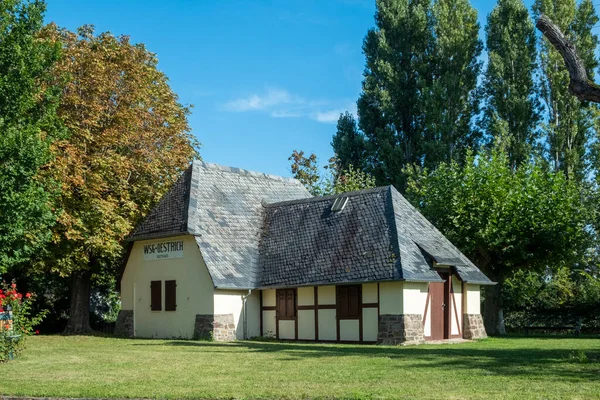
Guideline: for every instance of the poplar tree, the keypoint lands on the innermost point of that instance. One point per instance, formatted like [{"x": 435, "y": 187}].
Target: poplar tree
[
  {"x": 419, "y": 96},
  {"x": 454, "y": 99},
  {"x": 397, "y": 79},
  {"x": 511, "y": 114},
  {"x": 570, "y": 121},
  {"x": 349, "y": 143}
]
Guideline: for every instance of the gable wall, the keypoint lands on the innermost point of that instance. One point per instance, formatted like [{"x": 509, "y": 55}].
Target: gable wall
[{"x": 194, "y": 290}]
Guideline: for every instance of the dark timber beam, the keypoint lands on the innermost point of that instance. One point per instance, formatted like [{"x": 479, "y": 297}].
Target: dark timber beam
[{"x": 580, "y": 85}]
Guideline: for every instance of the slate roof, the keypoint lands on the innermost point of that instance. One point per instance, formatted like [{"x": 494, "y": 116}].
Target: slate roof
[
  {"x": 378, "y": 236},
  {"x": 256, "y": 230}
]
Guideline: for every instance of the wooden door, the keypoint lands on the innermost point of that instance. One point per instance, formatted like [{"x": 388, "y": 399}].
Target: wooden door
[{"x": 439, "y": 293}]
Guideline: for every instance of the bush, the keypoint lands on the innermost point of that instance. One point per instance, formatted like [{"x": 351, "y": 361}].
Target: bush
[{"x": 17, "y": 321}]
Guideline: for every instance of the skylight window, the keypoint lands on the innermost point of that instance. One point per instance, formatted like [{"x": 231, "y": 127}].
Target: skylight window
[{"x": 339, "y": 204}]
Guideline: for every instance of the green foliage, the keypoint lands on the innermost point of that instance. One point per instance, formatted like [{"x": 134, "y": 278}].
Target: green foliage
[
  {"x": 28, "y": 124},
  {"x": 505, "y": 219},
  {"x": 453, "y": 101},
  {"x": 570, "y": 122},
  {"x": 15, "y": 330},
  {"x": 349, "y": 143},
  {"x": 512, "y": 114},
  {"x": 419, "y": 94},
  {"x": 338, "y": 179}
]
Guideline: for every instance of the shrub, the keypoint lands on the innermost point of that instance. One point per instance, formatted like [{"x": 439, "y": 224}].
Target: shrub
[{"x": 17, "y": 321}]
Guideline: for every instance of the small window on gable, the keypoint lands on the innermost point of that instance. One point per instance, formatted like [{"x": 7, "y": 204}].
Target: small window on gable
[
  {"x": 155, "y": 295},
  {"x": 170, "y": 295},
  {"x": 286, "y": 303},
  {"x": 348, "y": 301}
]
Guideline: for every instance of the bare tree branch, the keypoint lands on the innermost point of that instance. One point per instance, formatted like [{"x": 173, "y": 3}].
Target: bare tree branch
[{"x": 580, "y": 85}]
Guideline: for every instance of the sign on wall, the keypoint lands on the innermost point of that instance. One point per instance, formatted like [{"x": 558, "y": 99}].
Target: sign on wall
[{"x": 163, "y": 250}]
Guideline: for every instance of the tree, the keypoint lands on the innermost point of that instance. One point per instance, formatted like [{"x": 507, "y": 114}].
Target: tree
[
  {"x": 419, "y": 94},
  {"x": 349, "y": 143},
  {"x": 28, "y": 124},
  {"x": 339, "y": 179},
  {"x": 129, "y": 141},
  {"x": 570, "y": 123},
  {"x": 397, "y": 76},
  {"x": 454, "y": 98},
  {"x": 512, "y": 112},
  {"x": 504, "y": 219}
]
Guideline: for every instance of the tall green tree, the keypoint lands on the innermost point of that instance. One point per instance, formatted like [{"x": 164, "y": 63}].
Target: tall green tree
[
  {"x": 28, "y": 124},
  {"x": 570, "y": 122},
  {"x": 419, "y": 96},
  {"x": 349, "y": 143},
  {"x": 397, "y": 79},
  {"x": 453, "y": 101},
  {"x": 505, "y": 219},
  {"x": 512, "y": 114}
]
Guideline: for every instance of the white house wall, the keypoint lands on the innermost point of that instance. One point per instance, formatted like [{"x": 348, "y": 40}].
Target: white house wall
[
  {"x": 473, "y": 299},
  {"x": 232, "y": 302},
  {"x": 194, "y": 292}
]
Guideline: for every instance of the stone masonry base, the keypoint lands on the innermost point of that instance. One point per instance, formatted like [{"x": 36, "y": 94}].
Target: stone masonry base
[
  {"x": 400, "y": 329},
  {"x": 473, "y": 327},
  {"x": 217, "y": 327},
  {"x": 124, "y": 324}
]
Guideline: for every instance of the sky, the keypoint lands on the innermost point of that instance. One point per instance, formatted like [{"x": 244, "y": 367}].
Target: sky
[{"x": 264, "y": 77}]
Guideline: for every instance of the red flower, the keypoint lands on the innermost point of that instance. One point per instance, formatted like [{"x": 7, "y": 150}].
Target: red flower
[
  {"x": 37, "y": 332},
  {"x": 14, "y": 285},
  {"x": 19, "y": 296},
  {"x": 28, "y": 295}
]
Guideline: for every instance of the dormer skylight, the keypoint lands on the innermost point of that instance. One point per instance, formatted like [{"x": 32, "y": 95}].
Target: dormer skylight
[{"x": 339, "y": 204}]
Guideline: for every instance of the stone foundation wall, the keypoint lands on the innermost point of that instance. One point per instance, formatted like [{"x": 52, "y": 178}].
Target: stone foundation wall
[
  {"x": 217, "y": 327},
  {"x": 400, "y": 329},
  {"x": 124, "y": 324},
  {"x": 473, "y": 327}
]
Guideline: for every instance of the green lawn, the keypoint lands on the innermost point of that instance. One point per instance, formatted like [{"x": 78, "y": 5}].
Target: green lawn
[{"x": 493, "y": 368}]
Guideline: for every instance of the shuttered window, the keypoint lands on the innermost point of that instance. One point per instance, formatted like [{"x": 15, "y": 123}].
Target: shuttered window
[
  {"x": 348, "y": 301},
  {"x": 170, "y": 295},
  {"x": 286, "y": 303},
  {"x": 155, "y": 296}
]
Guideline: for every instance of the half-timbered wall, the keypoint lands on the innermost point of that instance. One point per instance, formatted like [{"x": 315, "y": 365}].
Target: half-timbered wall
[{"x": 317, "y": 316}]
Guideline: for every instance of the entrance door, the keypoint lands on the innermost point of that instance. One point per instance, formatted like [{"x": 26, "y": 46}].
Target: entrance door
[{"x": 440, "y": 293}]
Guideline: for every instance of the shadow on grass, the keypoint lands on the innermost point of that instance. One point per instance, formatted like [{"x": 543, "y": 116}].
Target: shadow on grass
[{"x": 562, "y": 363}]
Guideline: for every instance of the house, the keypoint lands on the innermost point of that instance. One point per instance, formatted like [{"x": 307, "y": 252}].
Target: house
[{"x": 231, "y": 254}]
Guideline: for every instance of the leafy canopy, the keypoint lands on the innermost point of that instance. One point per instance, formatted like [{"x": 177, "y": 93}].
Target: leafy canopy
[
  {"x": 28, "y": 124},
  {"x": 129, "y": 141}
]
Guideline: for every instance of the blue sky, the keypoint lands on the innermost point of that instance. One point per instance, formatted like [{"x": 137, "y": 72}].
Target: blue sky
[{"x": 264, "y": 77}]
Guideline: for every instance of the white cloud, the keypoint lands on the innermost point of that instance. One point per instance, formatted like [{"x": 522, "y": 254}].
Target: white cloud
[
  {"x": 279, "y": 103},
  {"x": 273, "y": 97}
]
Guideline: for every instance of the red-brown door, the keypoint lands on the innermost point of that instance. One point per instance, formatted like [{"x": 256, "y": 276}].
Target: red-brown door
[{"x": 440, "y": 294}]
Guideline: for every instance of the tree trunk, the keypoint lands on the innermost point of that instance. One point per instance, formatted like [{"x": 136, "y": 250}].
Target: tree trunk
[
  {"x": 79, "y": 312},
  {"x": 493, "y": 315}
]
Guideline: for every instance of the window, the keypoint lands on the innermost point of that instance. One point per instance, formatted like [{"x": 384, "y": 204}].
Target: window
[
  {"x": 170, "y": 295},
  {"x": 286, "y": 303},
  {"x": 348, "y": 302},
  {"x": 155, "y": 296}
]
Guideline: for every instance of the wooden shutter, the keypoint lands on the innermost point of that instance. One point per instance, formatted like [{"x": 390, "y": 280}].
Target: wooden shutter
[
  {"x": 290, "y": 303},
  {"x": 286, "y": 303},
  {"x": 348, "y": 302},
  {"x": 281, "y": 303},
  {"x": 155, "y": 296},
  {"x": 353, "y": 301},
  {"x": 170, "y": 295}
]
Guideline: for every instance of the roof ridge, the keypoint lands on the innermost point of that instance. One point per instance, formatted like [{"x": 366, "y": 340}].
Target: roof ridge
[
  {"x": 245, "y": 172},
  {"x": 317, "y": 199}
]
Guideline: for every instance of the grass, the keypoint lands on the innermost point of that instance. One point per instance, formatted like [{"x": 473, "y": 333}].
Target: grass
[{"x": 87, "y": 366}]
